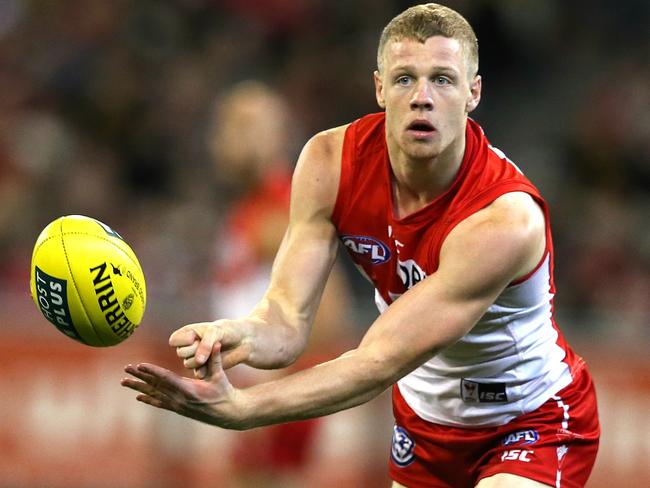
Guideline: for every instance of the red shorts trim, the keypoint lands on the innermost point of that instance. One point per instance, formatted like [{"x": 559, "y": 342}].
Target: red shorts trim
[{"x": 555, "y": 444}]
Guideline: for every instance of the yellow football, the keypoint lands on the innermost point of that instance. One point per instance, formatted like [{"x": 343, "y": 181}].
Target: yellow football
[{"x": 87, "y": 281}]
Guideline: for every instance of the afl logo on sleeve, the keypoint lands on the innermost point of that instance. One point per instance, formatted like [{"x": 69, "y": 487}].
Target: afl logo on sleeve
[
  {"x": 402, "y": 447},
  {"x": 366, "y": 249}
]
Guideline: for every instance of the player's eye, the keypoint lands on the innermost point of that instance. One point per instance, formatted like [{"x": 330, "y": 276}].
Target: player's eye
[
  {"x": 403, "y": 80},
  {"x": 442, "y": 80}
]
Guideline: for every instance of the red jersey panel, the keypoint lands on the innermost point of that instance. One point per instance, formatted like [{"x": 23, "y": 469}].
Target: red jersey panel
[{"x": 514, "y": 359}]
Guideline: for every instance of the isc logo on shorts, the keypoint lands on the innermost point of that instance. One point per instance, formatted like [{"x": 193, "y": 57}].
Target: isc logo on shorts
[
  {"x": 401, "y": 451},
  {"x": 523, "y": 455}
]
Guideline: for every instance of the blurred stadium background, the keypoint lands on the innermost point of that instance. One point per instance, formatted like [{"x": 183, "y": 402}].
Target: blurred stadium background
[{"x": 133, "y": 112}]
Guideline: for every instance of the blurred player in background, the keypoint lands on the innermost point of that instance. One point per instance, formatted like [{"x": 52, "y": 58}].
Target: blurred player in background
[
  {"x": 457, "y": 242},
  {"x": 259, "y": 175}
]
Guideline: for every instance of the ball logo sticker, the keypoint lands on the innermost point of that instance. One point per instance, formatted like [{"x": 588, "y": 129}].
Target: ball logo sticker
[
  {"x": 108, "y": 230},
  {"x": 401, "y": 451},
  {"x": 128, "y": 301},
  {"x": 367, "y": 249},
  {"x": 53, "y": 302}
]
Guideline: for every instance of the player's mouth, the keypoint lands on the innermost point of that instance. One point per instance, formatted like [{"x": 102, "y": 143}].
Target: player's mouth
[{"x": 420, "y": 129}]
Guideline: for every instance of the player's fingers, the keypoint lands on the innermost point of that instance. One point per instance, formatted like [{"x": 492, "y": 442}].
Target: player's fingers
[
  {"x": 163, "y": 403},
  {"x": 155, "y": 402},
  {"x": 214, "y": 366},
  {"x": 144, "y": 382},
  {"x": 138, "y": 386},
  {"x": 129, "y": 383},
  {"x": 188, "y": 334},
  {"x": 185, "y": 352},
  {"x": 192, "y": 363},
  {"x": 235, "y": 356},
  {"x": 211, "y": 336},
  {"x": 183, "y": 337},
  {"x": 199, "y": 373},
  {"x": 144, "y": 387},
  {"x": 150, "y": 397},
  {"x": 157, "y": 386},
  {"x": 133, "y": 370},
  {"x": 160, "y": 379}
]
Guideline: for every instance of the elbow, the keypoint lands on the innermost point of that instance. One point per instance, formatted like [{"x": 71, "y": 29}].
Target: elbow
[
  {"x": 388, "y": 365},
  {"x": 383, "y": 369}
]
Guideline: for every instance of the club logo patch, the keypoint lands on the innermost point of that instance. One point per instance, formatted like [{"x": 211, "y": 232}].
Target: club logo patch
[
  {"x": 402, "y": 447},
  {"x": 367, "y": 249}
]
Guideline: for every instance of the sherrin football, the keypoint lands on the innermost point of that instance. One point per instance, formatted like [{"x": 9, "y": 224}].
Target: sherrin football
[{"x": 87, "y": 281}]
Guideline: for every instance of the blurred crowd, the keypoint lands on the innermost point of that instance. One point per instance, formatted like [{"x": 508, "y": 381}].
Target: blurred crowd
[
  {"x": 178, "y": 123},
  {"x": 123, "y": 110}
]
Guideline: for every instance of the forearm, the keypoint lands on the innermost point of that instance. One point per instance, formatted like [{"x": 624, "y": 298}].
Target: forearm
[
  {"x": 345, "y": 382},
  {"x": 281, "y": 322}
]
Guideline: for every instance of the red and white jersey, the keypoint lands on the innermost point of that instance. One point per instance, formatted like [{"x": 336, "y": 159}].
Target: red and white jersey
[{"x": 515, "y": 358}]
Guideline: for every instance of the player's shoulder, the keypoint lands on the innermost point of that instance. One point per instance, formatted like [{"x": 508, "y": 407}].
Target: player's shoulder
[
  {"x": 327, "y": 143},
  {"x": 320, "y": 159},
  {"x": 516, "y": 209},
  {"x": 316, "y": 177},
  {"x": 510, "y": 210}
]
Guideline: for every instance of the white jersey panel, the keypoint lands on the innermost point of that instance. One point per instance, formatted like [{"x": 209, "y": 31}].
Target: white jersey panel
[{"x": 507, "y": 365}]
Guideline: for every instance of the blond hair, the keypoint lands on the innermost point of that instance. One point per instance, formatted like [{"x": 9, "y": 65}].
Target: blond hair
[{"x": 421, "y": 22}]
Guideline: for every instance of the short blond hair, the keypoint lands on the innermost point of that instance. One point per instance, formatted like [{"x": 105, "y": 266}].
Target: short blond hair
[{"x": 421, "y": 22}]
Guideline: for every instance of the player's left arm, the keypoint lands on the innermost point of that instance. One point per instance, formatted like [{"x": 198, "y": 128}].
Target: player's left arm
[{"x": 478, "y": 259}]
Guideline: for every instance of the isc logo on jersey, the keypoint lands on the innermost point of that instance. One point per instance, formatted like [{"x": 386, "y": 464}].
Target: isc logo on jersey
[{"x": 367, "y": 249}]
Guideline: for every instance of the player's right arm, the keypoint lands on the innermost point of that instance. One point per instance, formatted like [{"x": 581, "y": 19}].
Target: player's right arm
[{"x": 275, "y": 333}]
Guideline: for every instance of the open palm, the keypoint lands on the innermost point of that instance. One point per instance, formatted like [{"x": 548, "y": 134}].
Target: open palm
[{"x": 209, "y": 400}]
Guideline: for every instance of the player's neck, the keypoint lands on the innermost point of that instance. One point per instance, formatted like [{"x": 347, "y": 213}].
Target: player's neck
[{"x": 416, "y": 183}]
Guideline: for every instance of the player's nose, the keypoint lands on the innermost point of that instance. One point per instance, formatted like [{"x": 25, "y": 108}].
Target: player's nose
[{"x": 422, "y": 98}]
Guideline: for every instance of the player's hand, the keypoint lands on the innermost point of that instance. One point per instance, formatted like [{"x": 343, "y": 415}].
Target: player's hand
[
  {"x": 194, "y": 343},
  {"x": 212, "y": 400}
]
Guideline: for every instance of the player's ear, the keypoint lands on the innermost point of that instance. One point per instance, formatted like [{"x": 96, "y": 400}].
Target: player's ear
[
  {"x": 474, "y": 94},
  {"x": 379, "y": 89}
]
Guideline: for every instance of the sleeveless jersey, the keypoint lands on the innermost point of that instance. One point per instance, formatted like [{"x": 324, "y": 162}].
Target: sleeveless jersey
[{"x": 514, "y": 358}]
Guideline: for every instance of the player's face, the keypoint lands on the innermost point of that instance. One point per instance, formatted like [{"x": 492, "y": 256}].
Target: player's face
[
  {"x": 427, "y": 93},
  {"x": 249, "y": 134}
]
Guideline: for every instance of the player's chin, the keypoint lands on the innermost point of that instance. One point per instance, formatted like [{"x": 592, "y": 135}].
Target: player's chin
[{"x": 422, "y": 150}]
